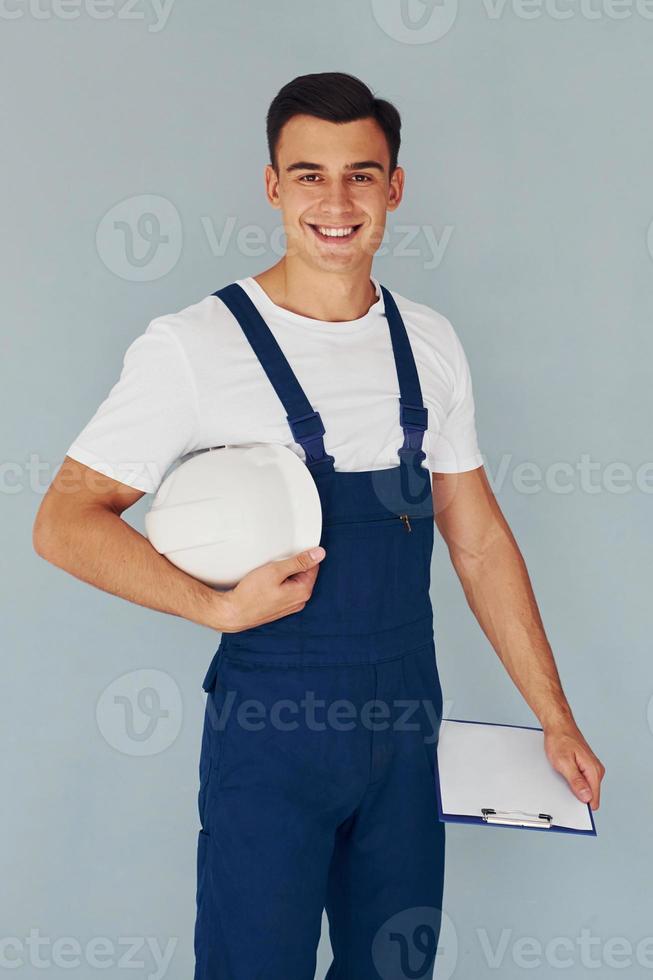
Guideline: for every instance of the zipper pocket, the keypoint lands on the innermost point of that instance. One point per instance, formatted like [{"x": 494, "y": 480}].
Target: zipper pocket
[{"x": 404, "y": 518}]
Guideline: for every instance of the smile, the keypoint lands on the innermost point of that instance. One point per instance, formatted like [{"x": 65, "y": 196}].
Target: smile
[{"x": 335, "y": 235}]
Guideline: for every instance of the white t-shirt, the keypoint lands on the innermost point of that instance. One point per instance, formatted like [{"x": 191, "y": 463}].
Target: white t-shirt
[{"x": 192, "y": 381}]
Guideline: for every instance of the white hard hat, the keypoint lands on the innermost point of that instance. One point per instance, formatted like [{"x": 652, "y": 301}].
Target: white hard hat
[{"x": 230, "y": 509}]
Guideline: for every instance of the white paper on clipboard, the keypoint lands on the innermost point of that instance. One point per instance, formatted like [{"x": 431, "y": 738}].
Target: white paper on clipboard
[{"x": 503, "y": 767}]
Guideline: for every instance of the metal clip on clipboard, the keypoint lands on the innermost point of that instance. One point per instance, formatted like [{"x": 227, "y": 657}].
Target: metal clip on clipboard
[{"x": 525, "y": 820}]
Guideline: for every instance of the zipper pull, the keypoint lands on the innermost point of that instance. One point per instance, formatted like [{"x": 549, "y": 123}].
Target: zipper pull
[{"x": 405, "y": 521}]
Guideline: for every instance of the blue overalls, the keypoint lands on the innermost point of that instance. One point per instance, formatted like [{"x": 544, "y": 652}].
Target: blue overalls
[{"x": 317, "y": 767}]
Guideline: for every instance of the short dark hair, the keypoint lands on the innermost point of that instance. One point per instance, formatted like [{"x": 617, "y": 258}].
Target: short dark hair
[{"x": 335, "y": 96}]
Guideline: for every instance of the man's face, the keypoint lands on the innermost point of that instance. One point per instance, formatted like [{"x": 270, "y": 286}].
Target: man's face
[{"x": 334, "y": 189}]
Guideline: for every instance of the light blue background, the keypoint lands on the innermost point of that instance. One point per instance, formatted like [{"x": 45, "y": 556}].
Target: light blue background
[{"x": 526, "y": 142}]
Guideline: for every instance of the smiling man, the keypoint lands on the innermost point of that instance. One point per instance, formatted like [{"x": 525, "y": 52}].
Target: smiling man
[{"x": 372, "y": 390}]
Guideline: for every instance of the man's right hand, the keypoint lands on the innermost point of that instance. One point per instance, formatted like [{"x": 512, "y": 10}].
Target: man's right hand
[{"x": 271, "y": 591}]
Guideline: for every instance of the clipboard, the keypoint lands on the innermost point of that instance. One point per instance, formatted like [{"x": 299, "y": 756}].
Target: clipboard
[{"x": 499, "y": 775}]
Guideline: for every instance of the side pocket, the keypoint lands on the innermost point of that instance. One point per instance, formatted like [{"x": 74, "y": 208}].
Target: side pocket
[
  {"x": 432, "y": 707},
  {"x": 206, "y": 764},
  {"x": 431, "y": 736},
  {"x": 211, "y": 737},
  {"x": 220, "y": 706}
]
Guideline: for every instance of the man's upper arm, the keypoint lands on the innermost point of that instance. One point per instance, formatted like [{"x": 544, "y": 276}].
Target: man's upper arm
[
  {"x": 453, "y": 447},
  {"x": 466, "y": 511},
  {"x": 149, "y": 418},
  {"x": 76, "y": 489}
]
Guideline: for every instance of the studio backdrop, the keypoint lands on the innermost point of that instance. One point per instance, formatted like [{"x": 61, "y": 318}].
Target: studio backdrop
[{"x": 133, "y": 187}]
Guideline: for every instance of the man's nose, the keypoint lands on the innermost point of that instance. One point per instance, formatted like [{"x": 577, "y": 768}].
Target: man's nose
[{"x": 336, "y": 199}]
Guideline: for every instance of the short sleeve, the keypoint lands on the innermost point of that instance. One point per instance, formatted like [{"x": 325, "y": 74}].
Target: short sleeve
[
  {"x": 455, "y": 448},
  {"x": 149, "y": 419}
]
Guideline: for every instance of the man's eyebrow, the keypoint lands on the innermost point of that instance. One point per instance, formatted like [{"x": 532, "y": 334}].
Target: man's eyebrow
[{"x": 359, "y": 165}]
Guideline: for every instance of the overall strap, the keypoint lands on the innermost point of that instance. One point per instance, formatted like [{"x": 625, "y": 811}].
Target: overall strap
[
  {"x": 305, "y": 424},
  {"x": 413, "y": 415}
]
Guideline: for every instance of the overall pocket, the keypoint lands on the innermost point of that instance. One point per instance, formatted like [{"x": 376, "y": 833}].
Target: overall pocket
[
  {"x": 378, "y": 571},
  {"x": 217, "y": 712}
]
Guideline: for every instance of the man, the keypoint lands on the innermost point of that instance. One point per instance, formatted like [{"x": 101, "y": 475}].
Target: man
[{"x": 365, "y": 385}]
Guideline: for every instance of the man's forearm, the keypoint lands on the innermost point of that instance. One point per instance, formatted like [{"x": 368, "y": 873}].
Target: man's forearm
[
  {"x": 499, "y": 593},
  {"x": 97, "y": 546}
]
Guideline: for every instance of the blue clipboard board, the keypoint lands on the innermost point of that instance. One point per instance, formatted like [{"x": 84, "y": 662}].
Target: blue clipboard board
[{"x": 488, "y": 817}]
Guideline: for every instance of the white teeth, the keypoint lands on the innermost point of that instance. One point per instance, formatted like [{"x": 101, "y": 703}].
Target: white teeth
[{"x": 335, "y": 232}]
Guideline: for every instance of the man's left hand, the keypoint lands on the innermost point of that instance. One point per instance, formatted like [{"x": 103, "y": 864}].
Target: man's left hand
[{"x": 570, "y": 755}]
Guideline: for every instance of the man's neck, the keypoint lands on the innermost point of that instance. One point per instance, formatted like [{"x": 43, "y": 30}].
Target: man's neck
[{"x": 332, "y": 297}]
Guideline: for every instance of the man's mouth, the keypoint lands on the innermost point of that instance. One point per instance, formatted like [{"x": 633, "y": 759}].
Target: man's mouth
[{"x": 335, "y": 234}]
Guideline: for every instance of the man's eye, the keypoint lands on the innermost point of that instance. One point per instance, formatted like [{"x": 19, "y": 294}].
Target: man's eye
[{"x": 357, "y": 178}]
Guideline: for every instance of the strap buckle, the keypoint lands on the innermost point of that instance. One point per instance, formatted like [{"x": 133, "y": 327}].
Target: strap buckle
[
  {"x": 414, "y": 422},
  {"x": 305, "y": 427},
  {"x": 308, "y": 430},
  {"x": 414, "y": 418}
]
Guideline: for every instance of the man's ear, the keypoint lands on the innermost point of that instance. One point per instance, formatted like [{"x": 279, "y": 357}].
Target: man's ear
[
  {"x": 271, "y": 178},
  {"x": 396, "y": 189}
]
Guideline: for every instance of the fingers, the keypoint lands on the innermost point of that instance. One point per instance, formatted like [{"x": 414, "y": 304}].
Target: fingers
[
  {"x": 304, "y": 578},
  {"x": 582, "y": 776},
  {"x": 593, "y": 770},
  {"x": 570, "y": 755},
  {"x": 298, "y": 588},
  {"x": 276, "y": 589},
  {"x": 299, "y": 563}
]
